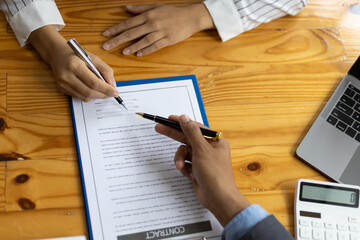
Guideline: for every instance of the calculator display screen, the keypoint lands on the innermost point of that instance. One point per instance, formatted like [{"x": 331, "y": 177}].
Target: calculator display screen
[{"x": 334, "y": 195}]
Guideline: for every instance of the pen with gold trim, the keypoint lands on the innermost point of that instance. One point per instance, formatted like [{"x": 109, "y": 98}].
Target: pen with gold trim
[{"x": 207, "y": 133}]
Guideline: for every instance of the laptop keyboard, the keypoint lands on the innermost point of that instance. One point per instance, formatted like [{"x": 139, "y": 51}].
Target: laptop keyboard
[{"x": 346, "y": 114}]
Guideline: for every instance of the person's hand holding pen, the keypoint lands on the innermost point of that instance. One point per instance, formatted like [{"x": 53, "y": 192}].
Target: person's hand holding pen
[
  {"x": 210, "y": 171},
  {"x": 72, "y": 75}
]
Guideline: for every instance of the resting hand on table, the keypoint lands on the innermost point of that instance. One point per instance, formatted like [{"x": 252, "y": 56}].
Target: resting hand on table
[
  {"x": 210, "y": 171},
  {"x": 157, "y": 26},
  {"x": 72, "y": 75}
]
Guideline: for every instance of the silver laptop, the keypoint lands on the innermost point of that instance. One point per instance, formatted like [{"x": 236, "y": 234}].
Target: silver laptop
[{"x": 332, "y": 144}]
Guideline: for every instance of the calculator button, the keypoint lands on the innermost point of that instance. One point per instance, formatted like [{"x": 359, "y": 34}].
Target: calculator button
[
  {"x": 330, "y": 235},
  {"x": 330, "y": 225},
  {"x": 305, "y": 233},
  {"x": 354, "y": 236},
  {"x": 354, "y": 228},
  {"x": 304, "y": 222},
  {"x": 343, "y": 236},
  {"x": 317, "y": 224},
  {"x": 353, "y": 219},
  {"x": 318, "y": 234},
  {"x": 342, "y": 227}
]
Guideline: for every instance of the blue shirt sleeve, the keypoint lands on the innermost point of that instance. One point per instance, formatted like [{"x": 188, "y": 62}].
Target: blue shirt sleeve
[{"x": 243, "y": 222}]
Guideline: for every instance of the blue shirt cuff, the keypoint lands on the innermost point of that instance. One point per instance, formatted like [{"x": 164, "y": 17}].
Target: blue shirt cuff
[{"x": 244, "y": 222}]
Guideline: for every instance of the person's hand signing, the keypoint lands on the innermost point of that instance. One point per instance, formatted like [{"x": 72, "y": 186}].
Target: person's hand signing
[
  {"x": 72, "y": 75},
  {"x": 157, "y": 26},
  {"x": 211, "y": 169}
]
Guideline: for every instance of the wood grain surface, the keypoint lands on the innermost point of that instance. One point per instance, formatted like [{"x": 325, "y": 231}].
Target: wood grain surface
[{"x": 262, "y": 90}]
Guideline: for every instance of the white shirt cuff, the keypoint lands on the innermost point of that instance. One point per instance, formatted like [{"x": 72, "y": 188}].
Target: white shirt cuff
[
  {"x": 34, "y": 16},
  {"x": 225, "y": 17}
]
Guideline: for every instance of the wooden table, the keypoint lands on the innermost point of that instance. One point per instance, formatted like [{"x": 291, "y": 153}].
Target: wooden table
[{"x": 262, "y": 90}]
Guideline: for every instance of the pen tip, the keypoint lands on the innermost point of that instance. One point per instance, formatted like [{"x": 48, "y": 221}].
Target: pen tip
[
  {"x": 124, "y": 106},
  {"x": 139, "y": 113}
]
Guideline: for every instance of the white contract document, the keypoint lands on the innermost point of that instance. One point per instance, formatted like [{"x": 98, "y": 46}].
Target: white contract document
[{"x": 131, "y": 188}]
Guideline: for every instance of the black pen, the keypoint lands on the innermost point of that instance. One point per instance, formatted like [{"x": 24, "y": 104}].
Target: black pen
[
  {"x": 207, "y": 133},
  {"x": 82, "y": 54}
]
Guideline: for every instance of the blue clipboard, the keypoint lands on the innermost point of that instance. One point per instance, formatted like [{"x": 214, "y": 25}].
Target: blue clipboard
[{"x": 129, "y": 83}]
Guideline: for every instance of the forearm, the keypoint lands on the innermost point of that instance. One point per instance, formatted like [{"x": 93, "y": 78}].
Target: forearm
[
  {"x": 47, "y": 41},
  {"x": 204, "y": 20}
]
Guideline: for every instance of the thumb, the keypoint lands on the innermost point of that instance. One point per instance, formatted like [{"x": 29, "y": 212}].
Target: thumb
[
  {"x": 138, "y": 9},
  {"x": 191, "y": 131}
]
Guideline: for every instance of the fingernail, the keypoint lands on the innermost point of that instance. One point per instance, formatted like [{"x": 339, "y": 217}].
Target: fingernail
[
  {"x": 185, "y": 118},
  {"x": 129, "y": 6},
  {"x": 106, "y": 33},
  {"x": 115, "y": 94},
  {"x": 139, "y": 54},
  {"x": 126, "y": 51},
  {"x": 106, "y": 46},
  {"x": 113, "y": 82}
]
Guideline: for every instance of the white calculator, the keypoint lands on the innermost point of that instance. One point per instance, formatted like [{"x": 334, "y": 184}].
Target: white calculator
[{"x": 326, "y": 211}]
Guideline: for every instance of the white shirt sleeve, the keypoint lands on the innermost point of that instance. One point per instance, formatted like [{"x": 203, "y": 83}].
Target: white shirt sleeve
[
  {"x": 233, "y": 17},
  {"x": 25, "y": 16}
]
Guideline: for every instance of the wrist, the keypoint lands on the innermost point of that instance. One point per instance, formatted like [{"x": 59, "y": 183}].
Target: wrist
[
  {"x": 228, "y": 205},
  {"x": 203, "y": 17},
  {"x": 47, "y": 41}
]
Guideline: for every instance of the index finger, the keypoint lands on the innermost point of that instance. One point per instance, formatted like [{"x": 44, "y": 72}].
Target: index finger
[
  {"x": 106, "y": 71},
  {"x": 173, "y": 133},
  {"x": 170, "y": 132},
  {"x": 192, "y": 132},
  {"x": 95, "y": 83},
  {"x": 125, "y": 25}
]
